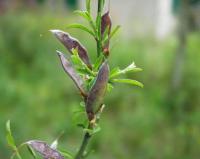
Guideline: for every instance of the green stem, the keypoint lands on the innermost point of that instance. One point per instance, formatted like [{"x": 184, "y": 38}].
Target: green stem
[
  {"x": 99, "y": 39},
  {"x": 84, "y": 144},
  {"x": 87, "y": 136}
]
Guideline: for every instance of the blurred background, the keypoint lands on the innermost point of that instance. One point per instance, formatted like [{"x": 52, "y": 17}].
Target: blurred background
[{"x": 160, "y": 121}]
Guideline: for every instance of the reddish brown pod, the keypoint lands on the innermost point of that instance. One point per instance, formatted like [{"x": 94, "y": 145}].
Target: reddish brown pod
[
  {"x": 97, "y": 92},
  {"x": 68, "y": 68},
  {"x": 72, "y": 43},
  {"x": 106, "y": 25}
]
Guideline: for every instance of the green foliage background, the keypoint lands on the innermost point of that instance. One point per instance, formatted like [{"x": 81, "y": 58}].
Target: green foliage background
[{"x": 39, "y": 99}]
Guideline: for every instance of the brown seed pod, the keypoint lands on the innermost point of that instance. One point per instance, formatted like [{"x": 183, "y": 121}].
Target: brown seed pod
[
  {"x": 72, "y": 73},
  {"x": 97, "y": 92},
  {"x": 106, "y": 23},
  {"x": 72, "y": 43},
  {"x": 45, "y": 150}
]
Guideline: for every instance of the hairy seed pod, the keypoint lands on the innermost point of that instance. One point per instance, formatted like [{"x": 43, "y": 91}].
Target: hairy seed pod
[
  {"x": 45, "y": 150},
  {"x": 72, "y": 73},
  {"x": 97, "y": 92},
  {"x": 72, "y": 43}
]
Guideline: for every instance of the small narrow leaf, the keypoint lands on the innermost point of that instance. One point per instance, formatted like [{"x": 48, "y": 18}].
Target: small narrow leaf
[
  {"x": 109, "y": 87},
  {"x": 129, "y": 81},
  {"x": 83, "y": 14},
  {"x": 86, "y": 15},
  {"x": 98, "y": 62},
  {"x": 66, "y": 154},
  {"x": 117, "y": 72},
  {"x": 54, "y": 144},
  {"x": 72, "y": 43},
  {"x": 11, "y": 141},
  {"x": 79, "y": 64},
  {"x": 81, "y": 27},
  {"x": 32, "y": 152},
  {"x": 115, "y": 30},
  {"x": 97, "y": 92},
  {"x": 72, "y": 73},
  {"x": 93, "y": 131},
  {"x": 9, "y": 137},
  {"x": 45, "y": 150},
  {"x": 88, "y": 4}
]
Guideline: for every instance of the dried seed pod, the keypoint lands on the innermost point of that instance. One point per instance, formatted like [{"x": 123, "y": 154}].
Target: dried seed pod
[
  {"x": 72, "y": 43},
  {"x": 106, "y": 23},
  {"x": 97, "y": 92},
  {"x": 45, "y": 150},
  {"x": 72, "y": 73}
]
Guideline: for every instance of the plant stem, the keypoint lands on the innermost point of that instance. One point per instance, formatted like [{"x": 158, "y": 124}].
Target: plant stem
[
  {"x": 83, "y": 146},
  {"x": 87, "y": 136},
  {"x": 99, "y": 39}
]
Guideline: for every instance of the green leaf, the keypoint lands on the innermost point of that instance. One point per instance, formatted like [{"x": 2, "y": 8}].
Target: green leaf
[
  {"x": 88, "y": 5},
  {"x": 98, "y": 23},
  {"x": 83, "y": 14},
  {"x": 114, "y": 72},
  {"x": 86, "y": 15},
  {"x": 66, "y": 154},
  {"x": 129, "y": 81},
  {"x": 91, "y": 82},
  {"x": 109, "y": 87},
  {"x": 94, "y": 130},
  {"x": 105, "y": 36},
  {"x": 131, "y": 68},
  {"x": 81, "y": 27},
  {"x": 80, "y": 119},
  {"x": 98, "y": 62},
  {"x": 54, "y": 144},
  {"x": 32, "y": 152},
  {"x": 79, "y": 64},
  {"x": 9, "y": 137},
  {"x": 115, "y": 30},
  {"x": 103, "y": 3},
  {"x": 11, "y": 141}
]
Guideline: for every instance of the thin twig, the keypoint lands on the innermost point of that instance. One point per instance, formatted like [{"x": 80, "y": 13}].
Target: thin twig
[
  {"x": 99, "y": 39},
  {"x": 84, "y": 144}
]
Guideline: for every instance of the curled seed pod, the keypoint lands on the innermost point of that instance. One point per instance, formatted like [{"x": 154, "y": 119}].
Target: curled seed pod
[
  {"x": 106, "y": 25},
  {"x": 72, "y": 43},
  {"x": 72, "y": 73},
  {"x": 45, "y": 150},
  {"x": 97, "y": 92}
]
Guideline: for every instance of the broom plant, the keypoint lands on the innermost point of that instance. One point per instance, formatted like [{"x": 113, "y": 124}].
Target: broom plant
[{"x": 92, "y": 80}]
